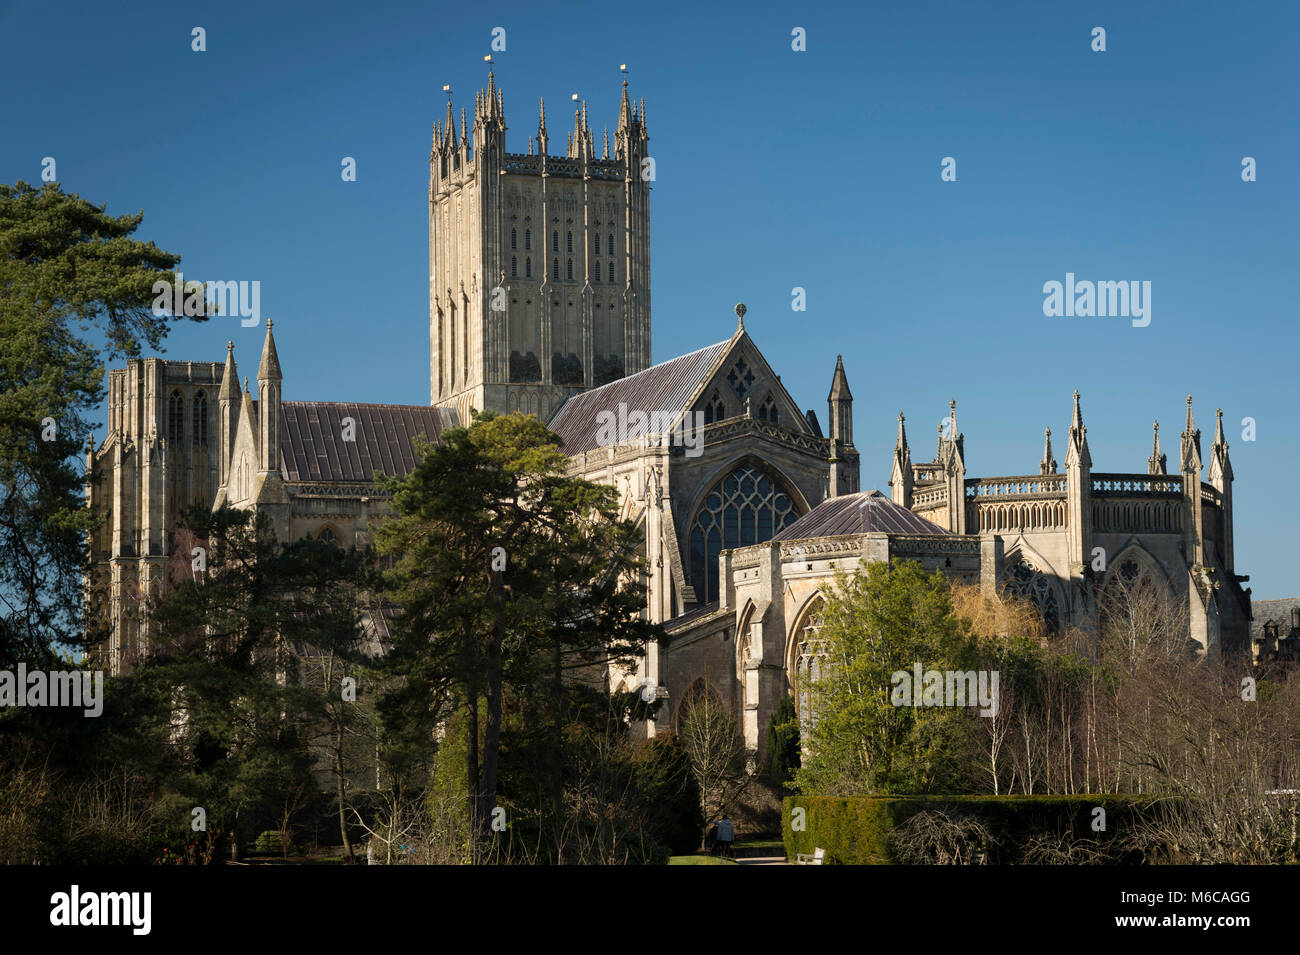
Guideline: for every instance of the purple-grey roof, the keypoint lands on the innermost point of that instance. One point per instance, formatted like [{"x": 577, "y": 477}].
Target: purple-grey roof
[
  {"x": 313, "y": 448},
  {"x": 857, "y": 514},
  {"x": 664, "y": 388}
]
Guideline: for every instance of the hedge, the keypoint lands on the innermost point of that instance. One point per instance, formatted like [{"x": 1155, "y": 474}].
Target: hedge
[{"x": 861, "y": 830}]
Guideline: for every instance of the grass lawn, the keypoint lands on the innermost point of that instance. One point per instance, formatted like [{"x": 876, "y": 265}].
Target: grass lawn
[{"x": 700, "y": 859}]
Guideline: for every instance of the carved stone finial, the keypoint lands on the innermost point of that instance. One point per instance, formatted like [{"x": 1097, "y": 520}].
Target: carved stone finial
[{"x": 740, "y": 314}]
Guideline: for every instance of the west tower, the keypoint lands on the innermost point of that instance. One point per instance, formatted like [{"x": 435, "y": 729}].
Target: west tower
[{"x": 539, "y": 265}]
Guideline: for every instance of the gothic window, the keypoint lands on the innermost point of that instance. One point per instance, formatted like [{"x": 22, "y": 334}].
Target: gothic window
[
  {"x": 200, "y": 420},
  {"x": 327, "y": 535},
  {"x": 514, "y": 236},
  {"x": 514, "y": 266},
  {"x": 610, "y": 245},
  {"x": 175, "y": 417},
  {"x": 528, "y": 240},
  {"x": 611, "y": 270},
  {"x": 555, "y": 269},
  {"x": 714, "y": 409},
  {"x": 745, "y": 507},
  {"x": 741, "y": 378},
  {"x": 595, "y": 273},
  {"x": 528, "y": 267},
  {"x": 569, "y": 247},
  {"x": 555, "y": 241},
  {"x": 1028, "y": 583},
  {"x": 570, "y": 270},
  {"x": 767, "y": 410},
  {"x": 807, "y": 665},
  {"x": 595, "y": 243}
]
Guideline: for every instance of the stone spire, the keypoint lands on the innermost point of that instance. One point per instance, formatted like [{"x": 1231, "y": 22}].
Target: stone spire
[
  {"x": 840, "y": 382},
  {"x": 1158, "y": 463},
  {"x": 270, "y": 366},
  {"x": 624, "y": 111},
  {"x": 449, "y": 127},
  {"x": 464, "y": 128},
  {"x": 1078, "y": 496},
  {"x": 843, "y": 461},
  {"x": 1189, "y": 457},
  {"x": 900, "y": 472},
  {"x": 542, "y": 138},
  {"x": 1048, "y": 464},
  {"x": 1077, "y": 453},
  {"x": 840, "y": 401},
  {"x": 228, "y": 404},
  {"x": 230, "y": 377},
  {"x": 269, "y": 381},
  {"x": 1220, "y": 466}
]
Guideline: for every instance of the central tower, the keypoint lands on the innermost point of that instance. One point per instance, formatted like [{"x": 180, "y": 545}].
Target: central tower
[{"x": 539, "y": 266}]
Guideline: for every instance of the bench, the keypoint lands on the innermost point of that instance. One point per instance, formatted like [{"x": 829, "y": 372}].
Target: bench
[{"x": 816, "y": 858}]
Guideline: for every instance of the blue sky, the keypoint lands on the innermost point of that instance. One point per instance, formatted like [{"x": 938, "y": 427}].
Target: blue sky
[{"x": 775, "y": 169}]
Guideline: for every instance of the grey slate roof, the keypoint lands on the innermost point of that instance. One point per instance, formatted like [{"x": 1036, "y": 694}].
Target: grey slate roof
[
  {"x": 1278, "y": 611},
  {"x": 313, "y": 449},
  {"x": 662, "y": 388},
  {"x": 857, "y": 514}
]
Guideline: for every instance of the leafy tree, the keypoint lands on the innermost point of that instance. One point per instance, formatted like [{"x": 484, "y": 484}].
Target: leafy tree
[
  {"x": 783, "y": 747},
  {"x": 509, "y": 574},
  {"x": 885, "y": 618},
  {"x": 65, "y": 266}
]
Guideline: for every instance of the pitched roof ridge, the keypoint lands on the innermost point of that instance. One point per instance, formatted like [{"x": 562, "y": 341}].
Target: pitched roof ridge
[
  {"x": 358, "y": 404},
  {"x": 644, "y": 371}
]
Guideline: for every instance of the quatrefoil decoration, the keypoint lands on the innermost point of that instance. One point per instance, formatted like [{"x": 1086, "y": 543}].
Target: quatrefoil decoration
[{"x": 741, "y": 378}]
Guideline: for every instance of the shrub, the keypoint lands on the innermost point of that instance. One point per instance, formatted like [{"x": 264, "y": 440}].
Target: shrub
[{"x": 1005, "y": 830}]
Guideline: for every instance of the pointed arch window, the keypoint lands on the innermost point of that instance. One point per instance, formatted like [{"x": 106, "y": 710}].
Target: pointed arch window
[
  {"x": 569, "y": 246},
  {"x": 514, "y": 236},
  {"x": 714, "y": 409},
  {"x": 555, "y": 270},
  {"x": 528, "y": 267},
  {"x": 555, "y": 241},
  {"x": 595, "y": 243},
  {"x": 528, "y": 240},
  {"x": 1027, "y": 582},
  {"x": 595, "y": 273},
  {"x": 745, "y": 507},
  {"x": 175, "y": 417},
  {"x": 514, "y": 267},
  {"x": 327, "y": 535},
  {"x": 570, "y": 272},
  {"x": 611, "y": 270},
  {"x": 201, "y": 420},
  {"x": 767, "y": 410},
  {"x": 807, "y": 664},
  {"x": 610, "y": 244}
]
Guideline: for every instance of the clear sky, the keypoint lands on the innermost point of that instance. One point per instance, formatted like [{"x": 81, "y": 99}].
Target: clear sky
[{"x": 775, "y": 169}]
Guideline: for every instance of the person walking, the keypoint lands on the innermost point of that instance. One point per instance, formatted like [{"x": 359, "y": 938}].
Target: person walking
[{"x": 726, "y": 836}]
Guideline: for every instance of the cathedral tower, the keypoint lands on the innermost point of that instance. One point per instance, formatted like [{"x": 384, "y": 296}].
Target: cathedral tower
[{"x": 539, "y": 265}]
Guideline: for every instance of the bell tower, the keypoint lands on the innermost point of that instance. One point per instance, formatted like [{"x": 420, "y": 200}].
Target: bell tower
[{"x": 539, "y": 264}]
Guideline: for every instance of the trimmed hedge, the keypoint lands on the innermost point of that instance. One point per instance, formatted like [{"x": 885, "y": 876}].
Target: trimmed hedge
[{"x": 862, "y": 830}]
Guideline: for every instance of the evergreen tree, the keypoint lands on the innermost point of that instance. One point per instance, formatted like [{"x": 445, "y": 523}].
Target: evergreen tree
[
  {"x": 65, "y": 266},
  {"x": 509, "y": 575}
]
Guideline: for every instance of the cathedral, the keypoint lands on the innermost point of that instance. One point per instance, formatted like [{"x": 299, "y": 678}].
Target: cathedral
[{"x": 539, "y": 302}]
